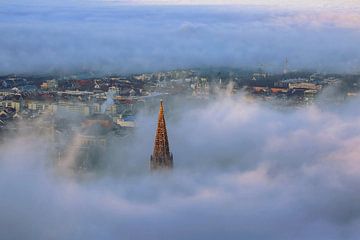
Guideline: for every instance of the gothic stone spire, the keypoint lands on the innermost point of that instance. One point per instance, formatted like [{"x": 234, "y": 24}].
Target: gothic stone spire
[{"x": 161, "y": 157}]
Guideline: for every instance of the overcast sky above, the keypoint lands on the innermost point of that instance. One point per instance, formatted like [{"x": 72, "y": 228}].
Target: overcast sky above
[
  {"x": 292, "y": 4},
  {"x": 299, "y": 3}
]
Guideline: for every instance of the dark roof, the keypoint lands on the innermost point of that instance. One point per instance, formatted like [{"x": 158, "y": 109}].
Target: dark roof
[{"x": 99, "y": 116}]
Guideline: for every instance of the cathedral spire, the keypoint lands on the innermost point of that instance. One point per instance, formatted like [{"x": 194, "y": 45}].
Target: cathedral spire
[{"x": 161, "y": 157}]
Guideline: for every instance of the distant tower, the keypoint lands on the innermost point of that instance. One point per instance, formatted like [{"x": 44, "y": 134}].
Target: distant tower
[
  {"x": 161, "y": 157},
  {"x": 286, "y": 65}
]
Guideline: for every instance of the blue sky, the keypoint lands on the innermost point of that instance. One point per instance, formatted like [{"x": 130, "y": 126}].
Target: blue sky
[{"x": 132, "y": 36}]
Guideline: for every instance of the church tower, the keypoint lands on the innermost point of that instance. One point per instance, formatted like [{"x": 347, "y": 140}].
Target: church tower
[{"x": 161, "y": 157}]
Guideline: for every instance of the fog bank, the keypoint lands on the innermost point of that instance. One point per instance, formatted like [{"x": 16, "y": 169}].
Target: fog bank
[
  {"x": 108, "y": 37},
  {"x": 242, "y": 171}
]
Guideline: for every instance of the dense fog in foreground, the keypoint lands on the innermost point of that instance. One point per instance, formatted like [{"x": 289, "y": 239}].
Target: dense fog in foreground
[{"x": 243, "y": 170}]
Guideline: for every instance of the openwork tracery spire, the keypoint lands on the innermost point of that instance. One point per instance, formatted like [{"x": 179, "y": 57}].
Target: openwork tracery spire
[{"x": 161, "y": 157}]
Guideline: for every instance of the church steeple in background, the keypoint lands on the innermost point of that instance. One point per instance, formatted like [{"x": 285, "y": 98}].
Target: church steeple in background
[{"x": 161, "y": 158}]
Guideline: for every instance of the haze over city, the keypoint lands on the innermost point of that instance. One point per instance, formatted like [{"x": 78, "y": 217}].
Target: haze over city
[
  {"x": 180, "y": 119},
  {"x": 129, "y": 36}
]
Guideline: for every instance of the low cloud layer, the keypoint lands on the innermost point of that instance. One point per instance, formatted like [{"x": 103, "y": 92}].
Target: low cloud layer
[
  {"x": 242, "y": 171},
  {"x": 108, "y": 37}
]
